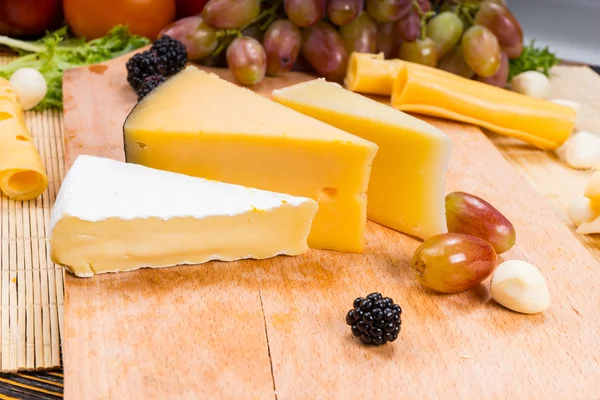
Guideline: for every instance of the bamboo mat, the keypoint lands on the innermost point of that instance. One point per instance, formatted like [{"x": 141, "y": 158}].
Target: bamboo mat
[{"x": 31, "y": 286}]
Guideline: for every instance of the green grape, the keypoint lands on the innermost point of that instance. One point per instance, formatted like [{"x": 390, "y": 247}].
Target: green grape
[
  {"x": 454, "y": 62},
  {"x": 453, "y": 262},
  {"x": 500, "y": 78},
  {"x": 342, "y": 12},
  {"x": 445, "y": 29},
  {"x": 360, "y": 35},
  {"x": 421, "y": 51},
  {"x": 388, "y": 10},
  {"x": 388, "y": 41},
  {"x": 198, "y": 38},
  {"x": 481, "y": 51},
  {"x": 502, "y": 23},
  {"x": 282, "y": 43},
  {"x": 408, "y": 27},
  {"x": 304, "y": 12},
  {"x": 470, "y": 215},
  {"x": 247, "y": 60},
  {"x": 325, "y": 50},
  {"x": 230, "y": 14}
]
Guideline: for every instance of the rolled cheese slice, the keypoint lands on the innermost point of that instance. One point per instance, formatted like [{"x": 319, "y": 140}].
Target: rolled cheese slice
[
  {"x": 22, "y": 173},
  {"x": 429, "y": 91}
]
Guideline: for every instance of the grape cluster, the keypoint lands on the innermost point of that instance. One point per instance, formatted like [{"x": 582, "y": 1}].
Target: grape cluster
[{"x": 254, "y": 38}]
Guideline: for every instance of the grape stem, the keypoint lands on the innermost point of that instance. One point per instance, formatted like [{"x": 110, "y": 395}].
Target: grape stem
[
  {"x": 424, "y": 17},
  {"x": 229, "y": 35}
]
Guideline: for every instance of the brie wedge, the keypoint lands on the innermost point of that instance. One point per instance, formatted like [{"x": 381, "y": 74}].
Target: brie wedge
[{"x": 111, "y": 216}]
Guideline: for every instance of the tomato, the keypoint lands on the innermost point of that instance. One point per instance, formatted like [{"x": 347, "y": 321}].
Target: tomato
[{"x": 94, "y": 18}]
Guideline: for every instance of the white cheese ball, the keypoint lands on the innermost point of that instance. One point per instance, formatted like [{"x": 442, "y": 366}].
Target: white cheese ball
[
  {"x": 531, "y": 83},
  {"x": 519, "y": 286},
  {"x": 30, "y": 87},
  {"x": 580, "y": 210},
  {"x": 581, "y": 150}
]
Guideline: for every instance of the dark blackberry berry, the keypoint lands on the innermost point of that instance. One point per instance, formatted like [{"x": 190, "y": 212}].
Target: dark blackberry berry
[
  {"x": 375, "y": 319},
  {"x": 149, "y": 84},
  {"x": 139, "y": 67},
  {"x": 377, "y": 313},
  {"x": 171, "y": 55},
  {"x": 366, "y": 305}
]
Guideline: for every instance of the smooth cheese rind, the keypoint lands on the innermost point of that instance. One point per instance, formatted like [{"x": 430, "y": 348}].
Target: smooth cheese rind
[
  {"x": 111, "y": 216},
  {"x": 22, "y": 173},
  {"x": 406, "y": 190},
  {"x": 200, "y": 125}
]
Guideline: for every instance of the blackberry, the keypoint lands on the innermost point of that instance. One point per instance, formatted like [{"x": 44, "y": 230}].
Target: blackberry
[
  {"x": 149, "y": 84},
  {"x": 141, "y": 66},
  {"x": 375, "y": 319},
  {"x": 171, "y": 55}
]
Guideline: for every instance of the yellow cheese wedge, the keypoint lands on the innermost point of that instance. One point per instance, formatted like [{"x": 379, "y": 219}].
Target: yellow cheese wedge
[
  {"x": 406, "y": 191},
  {"x": 22, "y": 173},
  {"x": 200, "y": 125},
  {"x": 430, "y": 91}
]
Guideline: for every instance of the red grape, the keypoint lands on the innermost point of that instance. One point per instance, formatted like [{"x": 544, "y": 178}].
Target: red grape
[
  {"x": 500, "y": 78},
  {"x": 453, "y": 262},
  {"x": 455, "y": 63},
  {"x": 198, "y": 38},
  {"x": 388, "y": 10},
  {"x": 502, "y": 23},
  {"x": 325, "y": 50},
  {"x": 342, "y": 12},
  {"x": 230, "y": 14},
  {"x": 481, "y": 51},
  {"x": 470, "y": 215},
  {"x": 247, "y": 60},
  {"x": 304, "y": 12},
  {"x": 388, "y": 41},
  {"x": 360, "y": 35},
  {"x": 282, "y": 43},
  {"x": 408, "y": 27}
]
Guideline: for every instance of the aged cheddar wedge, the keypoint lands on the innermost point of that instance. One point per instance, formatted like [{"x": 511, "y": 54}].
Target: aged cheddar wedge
[
  {"x": 110, "y": 216},
  {"x": 406, "y": 191},
  {"x": 430, "y": 91},
  {"x": 200, "y": 125},
  {"x": 22, "y": 174}
]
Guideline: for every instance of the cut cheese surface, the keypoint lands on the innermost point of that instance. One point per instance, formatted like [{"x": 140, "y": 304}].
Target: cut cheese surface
[
  {"x": 406, "y": 191},
  {"x": 198, "y": 124},
  {"x": 111, "y": 216},
  {"x": 22, "y": 173},
  {"x": 430, "y": 91}
]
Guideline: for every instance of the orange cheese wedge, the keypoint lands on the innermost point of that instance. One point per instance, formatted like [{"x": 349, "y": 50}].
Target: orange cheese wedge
[
  {"x": 22, "y": 173},
  {"x": 424, "y": 90}
]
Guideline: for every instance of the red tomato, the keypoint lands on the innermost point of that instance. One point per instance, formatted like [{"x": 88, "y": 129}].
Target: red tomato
[{"x": 94, "y": 18}]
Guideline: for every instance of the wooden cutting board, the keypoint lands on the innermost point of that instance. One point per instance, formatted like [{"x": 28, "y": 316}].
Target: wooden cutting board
[{"x": 275, "y": 328}]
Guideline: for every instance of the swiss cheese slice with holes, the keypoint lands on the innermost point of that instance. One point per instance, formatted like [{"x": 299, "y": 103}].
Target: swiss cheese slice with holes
[
  {"x": 110, "y": 217},
  {"x": 22, "y": 173},
  {"x": 198, "y": 124}
]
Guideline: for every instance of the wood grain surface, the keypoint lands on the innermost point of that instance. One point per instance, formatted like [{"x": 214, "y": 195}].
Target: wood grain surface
[{"x": 275, "y": 328}]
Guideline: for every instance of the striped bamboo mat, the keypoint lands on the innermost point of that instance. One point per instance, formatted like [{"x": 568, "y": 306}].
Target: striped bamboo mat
[
  {"x": 32, "y": 386},
  {"x": 31, "y": 286}
]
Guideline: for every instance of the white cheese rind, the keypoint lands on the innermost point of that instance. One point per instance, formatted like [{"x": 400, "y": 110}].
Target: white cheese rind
[{"x": 97, "y": 188}]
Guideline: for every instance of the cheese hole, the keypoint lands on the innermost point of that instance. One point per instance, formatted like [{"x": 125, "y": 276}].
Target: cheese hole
[
  {"x": 142, "y": 145},
  {"x": 328, "y": 192},
  {"x": 399, "y": 85},
  {"x": 22, "y": 138}
]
